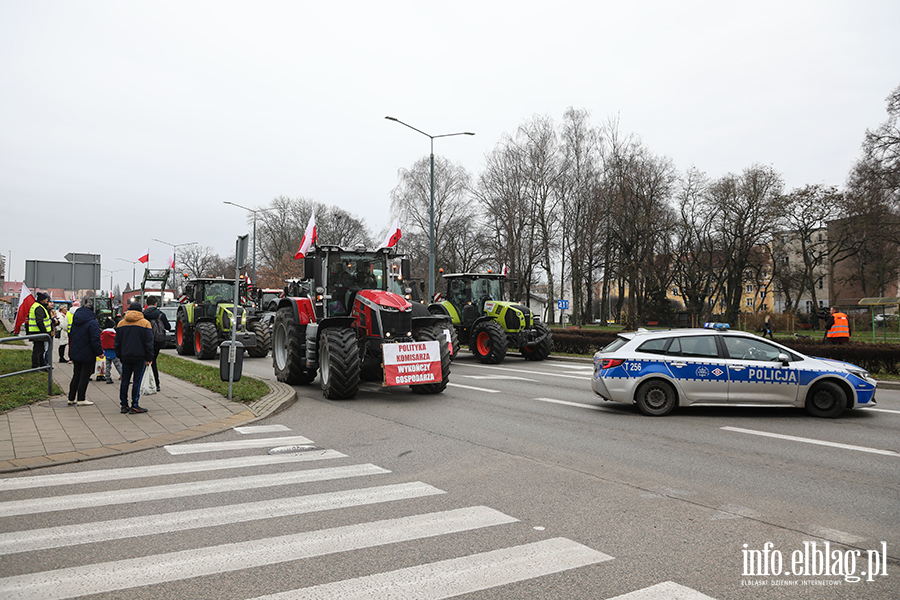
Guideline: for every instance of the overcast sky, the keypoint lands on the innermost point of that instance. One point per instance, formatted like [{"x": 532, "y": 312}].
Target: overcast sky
[{"x": 121, "y": 122}]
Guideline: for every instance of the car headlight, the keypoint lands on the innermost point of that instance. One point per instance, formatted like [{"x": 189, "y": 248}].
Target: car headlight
[{"x": 859, "y": 373}]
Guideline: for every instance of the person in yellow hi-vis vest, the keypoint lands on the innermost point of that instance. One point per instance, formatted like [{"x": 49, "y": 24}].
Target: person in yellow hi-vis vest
[
  {"x": 837, "y": 327},
  {"x": 39, "y": 322}
]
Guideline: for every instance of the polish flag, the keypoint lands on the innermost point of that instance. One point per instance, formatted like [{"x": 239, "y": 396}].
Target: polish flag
[
  {"x": 26, "y": 299},
  {"x": 145, "y": 257},
  {"x": 504, "y": 270},
  {"x": 171, "y": 259},
  {"x": 393, "y": 235},
  {"x": 309, "y": 238}
]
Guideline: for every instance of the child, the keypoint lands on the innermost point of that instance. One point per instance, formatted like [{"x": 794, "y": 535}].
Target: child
[{"x": 108, "y": 341}]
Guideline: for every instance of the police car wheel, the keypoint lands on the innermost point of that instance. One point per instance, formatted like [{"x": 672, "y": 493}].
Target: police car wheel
[
  {"x": 656, "y": 398},
  {"x": 826, "y": 400}
]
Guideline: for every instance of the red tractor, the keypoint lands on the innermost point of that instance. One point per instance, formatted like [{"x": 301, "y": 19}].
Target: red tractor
[{"x": 340, "y": 328}]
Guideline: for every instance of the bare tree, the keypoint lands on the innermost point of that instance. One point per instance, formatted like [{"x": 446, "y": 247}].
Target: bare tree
[
  {"x": 199, "y": 261},
  {"x": 638, "y": 189},
  {"x": 502, "y": 193},
  {"x": 411, "y": 199},
  {"x": 581, "y": 210},
  {"x": 746, "y": 211}
]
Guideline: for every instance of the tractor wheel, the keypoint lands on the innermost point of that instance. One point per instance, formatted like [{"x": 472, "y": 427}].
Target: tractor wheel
[
  {"x": 205, "y": 340},
  {"x": 339, "y": 363},
  {"x": 263, "y": 340},
  {"x": 289, "y": 350},
  {"x": 184, "y": 340},
  {"x": 488, "y": 342},
  {"x": 541, "y": 350},
  {"x": 426, "y": 334}
]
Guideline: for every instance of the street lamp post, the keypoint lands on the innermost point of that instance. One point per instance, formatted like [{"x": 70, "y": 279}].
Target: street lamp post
[
  {"x": 254, "y": 211},
  {"x": 111, "y": 277},
  {"x": 174, "y": 246},
  {"x": 431, "y": 211},
  {"x": 134, "y": 264}
]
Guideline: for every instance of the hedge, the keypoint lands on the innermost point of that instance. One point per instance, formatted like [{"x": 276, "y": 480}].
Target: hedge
[{"x": 875, "y": 358}]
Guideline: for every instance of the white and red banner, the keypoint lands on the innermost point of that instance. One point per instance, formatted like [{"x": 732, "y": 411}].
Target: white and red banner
[
  {"x": 393, "y": 235},
  {"x": 412, "y": 363},
  {"x": 26, "y": 299},
  {"x": 309, "y": 238},
  {"x": 145, "y": 257},
  {"x": 171, "y": 260}
]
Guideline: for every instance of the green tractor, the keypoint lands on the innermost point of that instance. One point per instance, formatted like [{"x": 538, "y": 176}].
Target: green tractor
[
  {"x": 487, "y": 323},
  {"x": 205, "y": 318}
]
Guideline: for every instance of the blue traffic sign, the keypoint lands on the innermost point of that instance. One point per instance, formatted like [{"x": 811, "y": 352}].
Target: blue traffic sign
[{"x": 562, "y": 304}]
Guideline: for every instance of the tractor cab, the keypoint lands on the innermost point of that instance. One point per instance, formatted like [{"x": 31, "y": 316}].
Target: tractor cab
[{"x": 469, "y": 293}]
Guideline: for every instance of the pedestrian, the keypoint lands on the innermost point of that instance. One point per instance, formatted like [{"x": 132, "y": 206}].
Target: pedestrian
[
  {"x": 134, "y": 347},
  {"x": 39, "y": 321},
  {"x": 84, "y": 348},
  {"x": 62, "y": 332},
  {"x": 108, "y": 341},
  {"x": 54, "y": 328},
  {"x": 159, "y": 324},
  {"x": 837, "y": 327},
  {"x": 767, "y": 328}
]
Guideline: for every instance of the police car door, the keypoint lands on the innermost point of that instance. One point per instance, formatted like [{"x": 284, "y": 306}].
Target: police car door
[
  {"x": 756, "y": 375},
  {"x": 696, "y": 366}
]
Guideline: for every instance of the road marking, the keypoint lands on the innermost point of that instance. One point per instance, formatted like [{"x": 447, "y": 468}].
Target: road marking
[
  {"x": 575, "y": 367},
  {"x": 896, "y": 412},
  {"x": 667, "y": 590},
  {"x": 181, "y": 490},
  {"x": 198, "y": 562},
  {"x": 36, "y": 481},
  {"x": 477, "y": 389},
  {"x": 237, "y": 445},
  {"x": 456, "y": 576},
  {"x": 528, "y": 372},
  {"x": 261, "y": 428},
  {"x": 812, "y": 441},
  {"x": 88, "y": 533},
  {"x": 512, "y": 377},
  {"x": 565, "y": 403}
]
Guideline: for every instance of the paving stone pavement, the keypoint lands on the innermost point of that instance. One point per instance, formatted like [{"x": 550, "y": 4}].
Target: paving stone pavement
[{"x": 52, "y": 432}]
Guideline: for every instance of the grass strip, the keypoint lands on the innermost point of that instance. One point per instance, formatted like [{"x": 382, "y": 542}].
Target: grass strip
[
  {"x": 27, "y": 388},
  {"x": 248, "y": 389}
]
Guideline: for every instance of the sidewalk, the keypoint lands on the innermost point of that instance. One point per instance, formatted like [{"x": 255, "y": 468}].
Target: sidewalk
[{"x": 52, "y": 432}]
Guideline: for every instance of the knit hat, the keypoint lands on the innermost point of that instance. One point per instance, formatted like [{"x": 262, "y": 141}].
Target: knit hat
[
  {"x": 41, "y": 296},
  {"x": 135, "y": 306}
]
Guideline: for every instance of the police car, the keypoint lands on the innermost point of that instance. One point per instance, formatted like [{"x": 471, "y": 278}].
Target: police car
[{"x": 659, "y": 370}]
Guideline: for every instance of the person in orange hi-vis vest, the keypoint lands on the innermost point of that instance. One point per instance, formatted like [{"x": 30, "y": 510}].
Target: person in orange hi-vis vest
[{"x": 837, "y": 327}]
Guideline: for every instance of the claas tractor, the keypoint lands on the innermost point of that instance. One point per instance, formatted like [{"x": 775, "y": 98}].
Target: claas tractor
[
  {"x": 487, "y": 323},
  {"x": 347, "y": 323},
  {"x": 206, "y": 316}
]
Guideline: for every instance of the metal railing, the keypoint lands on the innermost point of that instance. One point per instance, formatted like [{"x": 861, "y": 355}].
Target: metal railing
[{"x": 37, "y": 337}]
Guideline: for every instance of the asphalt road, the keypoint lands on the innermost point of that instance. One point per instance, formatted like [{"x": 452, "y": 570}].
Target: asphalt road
[{"x": 560, "y": 496}]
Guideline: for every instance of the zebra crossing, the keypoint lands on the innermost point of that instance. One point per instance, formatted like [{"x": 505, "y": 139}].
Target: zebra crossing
[{"x": 445, "y": 578}]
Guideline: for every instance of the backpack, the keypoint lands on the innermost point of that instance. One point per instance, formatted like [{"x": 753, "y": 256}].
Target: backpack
[{"x": 159, "y": 331}]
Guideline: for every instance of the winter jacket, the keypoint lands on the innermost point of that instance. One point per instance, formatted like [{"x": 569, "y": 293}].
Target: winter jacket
[
  {"x": 84, "y": 339},
  {"x": 134, "y": 338},
  {"x": 63, "y": 330},
  {"x": 108, "y": 339},
  {"x": 151, "y": 313}
]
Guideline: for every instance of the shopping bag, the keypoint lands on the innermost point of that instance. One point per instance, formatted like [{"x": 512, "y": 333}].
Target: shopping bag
[
  {"x": 100, "y": 368},
  {"x": 148, "y": 382}
]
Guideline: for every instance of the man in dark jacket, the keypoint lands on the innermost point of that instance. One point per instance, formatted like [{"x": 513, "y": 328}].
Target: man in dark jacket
[
  {"x": 152, "y": 313},
  {"x": 84, "y": 348},
  {"x": 134, "y": 347}
]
